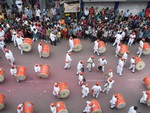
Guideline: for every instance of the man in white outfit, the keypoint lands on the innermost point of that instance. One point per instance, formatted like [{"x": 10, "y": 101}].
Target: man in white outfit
[
  {"x": 85, "y": 90},
  {"x": 19, "y": 5},
  {"x": 2, "y": 45},
  {"x": 96, "y": 90},
  {"x": 13, "y": 70},
  {"x": 40, "y": 49},
  {"x": 131, "y": 39},
  {"x": 118, "y": 39},
  {"x": 118, "y": 47},
  {"x": 53, "y": 108},
  {"x": 9, "y": 56},
  {"x": 68, "y": 61},
  {"x": 56, "y": 90},
  {"x": 144, "y": 98},
  {"x": 81, "y": 78},
  {"x": 19, "y": 41},
  {"x": 71, "y": 44},
  {"x": 90, "y": 63},
  {"x": 133, "y": 109},
  {"x": 96, "y": 47},
  {"x": 101, "y": 64},
  {"x": 14, "y": 36},
  {"x": 113, "y": 102},
  {"x": 2, "y": 33},
  {"x": 132, "y": 64},
  {"x": 140, "y": 49},
  {"x": 80, "y": 67},
  {"x": 108, "y": 85},
  {"x": 20, "y": 108},
  {"x": 120, "y": 66},
  {"x": 37, "y": 68},
  {"x": 109, "y": 75},
  {"x": 88, "y": 107},
  {"x": 125, "y": 56}
]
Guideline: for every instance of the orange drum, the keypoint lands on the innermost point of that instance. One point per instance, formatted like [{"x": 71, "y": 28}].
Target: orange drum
[
  {"x": 147, "y": 81},
  {"x": 61, "y": 107},
  {"x": 96, "y": 108},
  {"x": 28, "y": 107},
  {"x": 148, "y": 97},
  {"x": 2, "y": 74},
  {"x": 45, "y": 50},
  {"x": 2, "y": 101},
  {"x": 27, "y": 44},
  {"x": 101, "y": 46},
  {"x": 146, "y": 49},
  {"x": 77, "y": 45},
  {"x": 124, "y": 48},
  {"x": 120, "y": 101},
  {"x": 139, "y": 63},
  {"x": 21, "y": 73},
  {"x": 44, "y": 71},
  {"x": 64, "y": 91}
]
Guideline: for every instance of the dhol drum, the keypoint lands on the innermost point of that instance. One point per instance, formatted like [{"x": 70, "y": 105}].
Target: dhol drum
[
  {"x": 2, "y": 74},
  {"x": 21, "y": 73},
  {"x": 27, "y": 44},
  {"x": 45, "y": 50},
  {"x": 2, "y": 101},
  {"x": 61, "y": 107},
  {"x": 139, "y": 63},
  {"x": 64, "y": 91},
  {"x": 101, "y": 46},
  {"x": 96, "y": 108},
  {"x": 148, "y": 97},
  {"x": 28, "y": 107},
  {"x": 77, "y": 45},
  {"x": 146, "y": 49},
  {"x": 44, "y": 71},
  {"x": 147, "y": 81},
  {"x": 123, "y": 48},
  {"x": 120, "y": 101}
]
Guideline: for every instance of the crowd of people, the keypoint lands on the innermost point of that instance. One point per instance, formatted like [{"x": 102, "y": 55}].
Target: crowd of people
[{"x": 108, "y": 25}]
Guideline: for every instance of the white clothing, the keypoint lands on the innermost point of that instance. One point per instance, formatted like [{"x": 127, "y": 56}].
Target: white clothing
[
  {"x": 131, "y": 110},
  {"x": 85, "y": 91},
  {"x": 144, "y": 98},
  {"x": 88, "y": 107},
  {"x": 125, "y": 56},
  {"x": 13, "y": 71},
  {"x": 56, "y": 91},
  {"x": 90, "y": 64},
  {"x": 132, "y": 64},
  {"x": 67, "y": 61},
  {"x": 140, "y": 49},
  {"x": 38, "y": 12},
  {"x": 118, "y": 39},
  {"x": 131, "y": 39},
  {"x": 109, "y": 86},
  {"x": 86, "y": 12},
  {"x": 10, "y": 57},
  {"x": 14, "y": 37},
  {"x": 20, "y": 110},
  {"x": 2, "y": 44},
  {"x": 113, "y": 102},
  {"x": 102, "y": 63},
  {"x": 40, "y": 50},
  {"x": 19, "y": 43},
  {"x": 53, "y": 109},
  {"x": 71, "y": 44},
  {"x": 2, "y": 33},
  {"x": 110, "y": 74},
  {"x": 80, "y": 79},
  {"x": 96, "y": 47},
  {"x": 120, "y": 67},
  {"x": 37, "y": 68},
  {"x": 19, "y": 5},
  {"x": 96, "y": 90},
  {"x": 117, "y": 50},
  {"x": 79, "y": 67}
]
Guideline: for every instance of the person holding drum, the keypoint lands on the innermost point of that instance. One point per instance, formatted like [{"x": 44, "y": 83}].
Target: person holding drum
[
  {"x": 13, "y": 70},
  {"x": 56, "y": 90},
  {"x": 20, "y": 108},
  {"x": 118, "y": 47},
  {"x": 37, "y": 68},
  {"x": 71, "y": 44},
  {"x": 144, "y": 98},
  {"x": 53, "y": 108},
  {"x": 88, "y": 107},
  {"x": 90, "y": 63},
  {"x": 96, "y": 90},
  {"x": 9, "y": 56},
  {"x": 132, "y": 64},
  {"x": 40, "y": 49},
  {"x": 120, "y": 66},
  {"x": 96, "y": 47},
  {"x": 140, "y": 49},
  {"x": 113, "y": 102},
  {"x": 19, "y": 41}
]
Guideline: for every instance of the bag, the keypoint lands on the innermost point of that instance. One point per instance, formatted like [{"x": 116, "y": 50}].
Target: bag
[
  {"x": 82, "y": 69},
  {"x": 99, "y": 67}
]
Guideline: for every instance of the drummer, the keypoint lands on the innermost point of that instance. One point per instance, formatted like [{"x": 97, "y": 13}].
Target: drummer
[
  {"x": 40, "y": 49},
  {"x": 56, "y": 90},
  {"x": 20, "y": 108},
  {"x": 113, "y": 102},
  {"x": 19, "y": 41}
]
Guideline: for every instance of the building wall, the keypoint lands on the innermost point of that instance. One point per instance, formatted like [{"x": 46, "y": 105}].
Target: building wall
[{"x": 134, "y": 7}]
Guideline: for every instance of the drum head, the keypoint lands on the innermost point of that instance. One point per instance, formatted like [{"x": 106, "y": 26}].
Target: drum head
[
  {"x": 21, "y": 77},
  {"x": 140, "y": 65},
  {"x": 1, "y": 78},
  {"x": 77, "y": 48},
  {"x": 97, "y": 111},
  {"x": 63, "y": 111},
  {"x": 146, "y": 52},
  {"x": 64, "y": 93},
  {"x": 45, "y": 55},
  {"x": 26, "y": 47},
  {"x": 42, "y": 75},
  {"x": 102, "y": 49},
  {"x": 121, "y": 105},
  {"x": 2, "y": 106}
]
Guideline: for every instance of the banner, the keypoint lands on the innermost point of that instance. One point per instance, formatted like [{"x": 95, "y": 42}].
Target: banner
[{"x": 71, "y": 8}]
